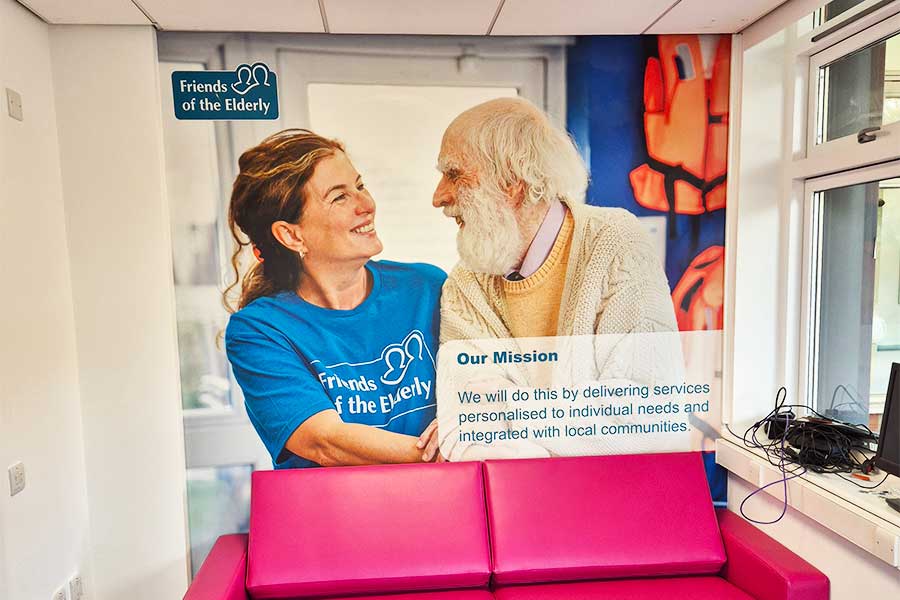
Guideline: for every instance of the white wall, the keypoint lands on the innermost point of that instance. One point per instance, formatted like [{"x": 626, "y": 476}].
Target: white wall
[
  {"x": 854, "y": 573},
  {"x": 758, "y": 250},
  {"x": 44, "y": 530},
  {"x": 111, "y": 148}
]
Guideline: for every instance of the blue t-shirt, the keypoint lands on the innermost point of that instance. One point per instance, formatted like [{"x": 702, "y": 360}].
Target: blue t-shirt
[{"x": 374, "y": 364}]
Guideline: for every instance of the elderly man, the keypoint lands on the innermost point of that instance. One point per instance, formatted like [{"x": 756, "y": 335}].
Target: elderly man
[{"x": 535, "y": 260}]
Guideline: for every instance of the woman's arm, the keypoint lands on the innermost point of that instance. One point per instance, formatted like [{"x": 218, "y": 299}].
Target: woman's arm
[{"x": 327, "y": 440}]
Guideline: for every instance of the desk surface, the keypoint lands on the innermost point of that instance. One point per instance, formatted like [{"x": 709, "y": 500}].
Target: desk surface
[
  {"x": 850, "y": 511},
  {"x": 864, "y": 498},
  {"x": 846, "y": 487}
]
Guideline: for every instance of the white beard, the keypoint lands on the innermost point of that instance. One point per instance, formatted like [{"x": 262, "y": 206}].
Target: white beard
[{"x": 490, "y": 241}]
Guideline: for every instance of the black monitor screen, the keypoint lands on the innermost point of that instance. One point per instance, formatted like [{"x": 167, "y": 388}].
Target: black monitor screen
[{"x": 888, "y": 455}]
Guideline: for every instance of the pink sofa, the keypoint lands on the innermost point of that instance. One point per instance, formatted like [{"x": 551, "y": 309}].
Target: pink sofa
[{"x": 625, "y": 527}]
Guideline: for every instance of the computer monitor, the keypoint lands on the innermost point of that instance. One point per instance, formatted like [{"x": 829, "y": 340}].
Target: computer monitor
[{"x": 887, "y": 457}]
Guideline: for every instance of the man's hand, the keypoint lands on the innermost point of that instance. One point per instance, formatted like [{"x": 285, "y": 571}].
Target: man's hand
[{"x": 428, "y": 442}]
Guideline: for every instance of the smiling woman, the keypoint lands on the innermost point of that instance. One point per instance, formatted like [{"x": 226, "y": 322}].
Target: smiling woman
[
  {"x": 339, "y": 220},
  {"x": 333, "y": 352}
]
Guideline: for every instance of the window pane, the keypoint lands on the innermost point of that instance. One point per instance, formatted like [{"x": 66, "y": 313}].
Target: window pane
[
  {"x": 196, "y": 210},
  {"x": 886, "y": 313},
  {"x": 833, "y": 9},
  {"x": 369, "y": 118},
  {"x": 859, "y": 90},
  {"x": 203, "y": 364},
  {"x": 218, "y": 503},
  {"x": 858, "y": 311}
]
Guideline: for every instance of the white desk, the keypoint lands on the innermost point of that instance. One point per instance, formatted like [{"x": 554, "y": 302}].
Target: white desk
[{"x": 864, "y": 519}]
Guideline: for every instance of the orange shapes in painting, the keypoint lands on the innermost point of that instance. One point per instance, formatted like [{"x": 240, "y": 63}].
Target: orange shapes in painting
[
  {"x": 699, "y": 295},
  {"x": 686, "y": 126},
  {"x": 686, "y": 131}
]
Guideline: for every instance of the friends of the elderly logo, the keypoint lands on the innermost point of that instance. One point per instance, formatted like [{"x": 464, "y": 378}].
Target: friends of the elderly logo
[
  {"x": 402, "y": 372},
  {"x": 249, "y": 92}
]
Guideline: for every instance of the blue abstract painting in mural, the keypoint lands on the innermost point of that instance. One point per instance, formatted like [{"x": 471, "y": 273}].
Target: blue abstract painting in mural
[{"x": 650, "y": 116}]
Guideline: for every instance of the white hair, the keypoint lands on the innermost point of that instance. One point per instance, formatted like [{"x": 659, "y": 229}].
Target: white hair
[{"x": 512, "y": 141}]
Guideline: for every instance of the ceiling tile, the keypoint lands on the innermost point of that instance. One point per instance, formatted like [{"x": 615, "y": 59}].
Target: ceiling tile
[
  {"x": 472, "y": 17},
  {"x": 704, "y": 16},
  {"x": 463, "y": 17},
  {"x": 573, "y": 17},
  {"x": 95, "y": 12},
  {"x": 219, "y": 15}
]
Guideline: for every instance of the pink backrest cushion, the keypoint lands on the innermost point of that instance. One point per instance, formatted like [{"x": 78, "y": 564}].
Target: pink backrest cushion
[
  {"x": 361, "y": 530},
  {"x": 599, "y": 517}
]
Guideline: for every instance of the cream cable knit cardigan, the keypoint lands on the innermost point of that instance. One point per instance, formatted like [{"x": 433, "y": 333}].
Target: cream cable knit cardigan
[{"x": 615, "y": 284}]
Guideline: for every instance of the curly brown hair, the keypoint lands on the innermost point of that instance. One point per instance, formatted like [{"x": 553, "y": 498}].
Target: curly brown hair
[{"x": 269, "y": 188}]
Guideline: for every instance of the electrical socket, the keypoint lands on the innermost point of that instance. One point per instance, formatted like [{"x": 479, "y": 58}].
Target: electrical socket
[
  {"x": 16, "y": 478},
  {"x": 14, "y": 104},
  {"x": 76, "y": 587},
  {"x": 60, "y": 594}
]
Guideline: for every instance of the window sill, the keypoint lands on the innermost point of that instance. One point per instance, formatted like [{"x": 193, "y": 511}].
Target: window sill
[{"x": 862, "y": 519}]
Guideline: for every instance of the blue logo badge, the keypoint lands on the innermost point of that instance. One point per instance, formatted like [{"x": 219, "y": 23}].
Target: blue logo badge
[{"x": 250, "y": 92}]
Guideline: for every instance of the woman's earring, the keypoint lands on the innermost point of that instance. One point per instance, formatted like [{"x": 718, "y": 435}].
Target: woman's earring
[{"x": 302, "y": 254}]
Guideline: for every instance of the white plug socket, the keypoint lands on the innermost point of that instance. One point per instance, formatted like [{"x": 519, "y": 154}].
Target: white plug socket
[
  {"x": 60, "y": 594},
  {"x": 16, "y": 478},
  {"x": 14, "y": 104},
  {"x": 76, "y": 587}
]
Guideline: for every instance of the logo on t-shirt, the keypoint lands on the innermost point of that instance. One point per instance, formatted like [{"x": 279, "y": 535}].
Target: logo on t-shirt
[{"x": 401, "y": 377}]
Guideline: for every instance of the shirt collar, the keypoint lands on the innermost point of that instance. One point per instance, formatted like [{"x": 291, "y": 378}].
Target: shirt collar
[{"x": 543, "y": 240}]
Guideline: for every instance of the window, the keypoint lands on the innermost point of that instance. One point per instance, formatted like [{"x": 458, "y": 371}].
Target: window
[
  {"x": 852, "y": 251},
  {"x": 815, "y": 270},
  {"x": 218, "y": 435},
  {"x": 857, "y": 294},
  {"x": 192, "y": 180},
  {"x": 854, "y": 93},
  {"x": 218, "y": 504},
  {"x": 832, "y": 10}
]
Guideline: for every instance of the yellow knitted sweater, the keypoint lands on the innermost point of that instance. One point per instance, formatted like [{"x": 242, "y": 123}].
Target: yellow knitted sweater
[
  {"x": 614, "y": 283},
  {"x": 533, "y": 303}
]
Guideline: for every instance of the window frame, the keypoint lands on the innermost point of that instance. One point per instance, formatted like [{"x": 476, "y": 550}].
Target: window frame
[
  {"x": 845, "y": 152},
  {"x": 836, "y": 163},
  {"x": 811, "y": 267}
]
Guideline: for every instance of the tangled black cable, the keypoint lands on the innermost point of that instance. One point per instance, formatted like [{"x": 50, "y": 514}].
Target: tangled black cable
[
  {"x": 851, "y": 402},
  {"x": 795, "y": 446}
]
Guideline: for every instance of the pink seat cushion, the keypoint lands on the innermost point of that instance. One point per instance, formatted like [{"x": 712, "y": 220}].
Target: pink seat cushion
[
  {"x": 451, "y": 595},
  {"x": 601, "y": 517},
  {"x": 359, "y": 530},
  {"x": 675, "y": 588}
]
